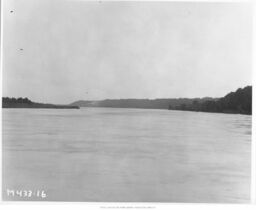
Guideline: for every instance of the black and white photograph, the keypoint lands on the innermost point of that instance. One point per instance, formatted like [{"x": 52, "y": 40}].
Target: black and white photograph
[{"x": 127, "y": 101}]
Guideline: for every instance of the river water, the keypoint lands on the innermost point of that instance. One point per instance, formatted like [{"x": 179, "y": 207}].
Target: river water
[{"x": 126, "y": 155}]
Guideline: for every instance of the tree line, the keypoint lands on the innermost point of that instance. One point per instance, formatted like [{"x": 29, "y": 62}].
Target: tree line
[
  {"x": 26, "y": 103},
  {"x": 239, "y": 102}
]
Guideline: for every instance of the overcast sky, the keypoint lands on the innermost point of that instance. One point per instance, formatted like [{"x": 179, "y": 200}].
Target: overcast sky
[{"x": 60, "y": 51}]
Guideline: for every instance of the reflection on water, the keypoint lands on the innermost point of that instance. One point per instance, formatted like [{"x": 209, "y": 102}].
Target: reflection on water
[{"x": 137, "y": 155}]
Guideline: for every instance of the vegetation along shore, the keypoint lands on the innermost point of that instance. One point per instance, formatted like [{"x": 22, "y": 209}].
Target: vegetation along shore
[
  {"x": 235, "y": 102},
  {"x": 238, "y": 102},
  {"x": 26, "y": 103}
]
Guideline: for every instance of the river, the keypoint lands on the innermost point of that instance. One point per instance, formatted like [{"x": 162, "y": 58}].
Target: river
[{"x": 126, "y": 155}]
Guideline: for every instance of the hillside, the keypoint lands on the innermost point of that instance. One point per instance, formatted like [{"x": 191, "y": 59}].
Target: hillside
[{"x": 138, "y": 103}]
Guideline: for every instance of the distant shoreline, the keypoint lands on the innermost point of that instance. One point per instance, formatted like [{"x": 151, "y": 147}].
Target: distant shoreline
[
  {"x": 238, "y": 102},
  {"x": 25, "y": 103}
]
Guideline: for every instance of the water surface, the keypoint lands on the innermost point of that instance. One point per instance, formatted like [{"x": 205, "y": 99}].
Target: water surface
[{"x": 131, "y": 155}]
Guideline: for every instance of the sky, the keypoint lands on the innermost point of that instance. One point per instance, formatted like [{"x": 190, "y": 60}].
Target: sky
[{"x": 60, "y": 51}]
